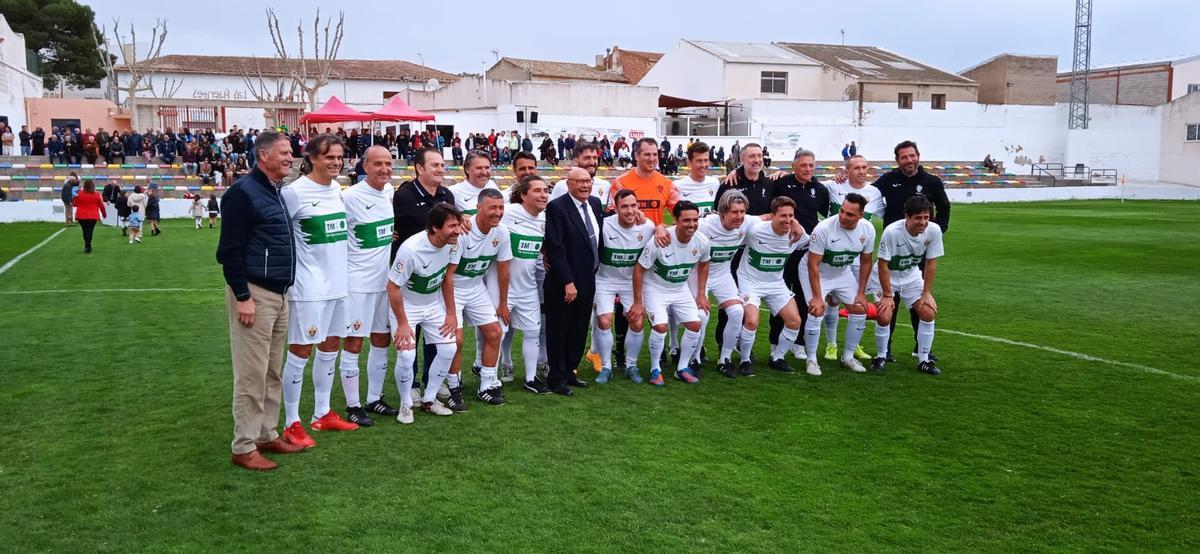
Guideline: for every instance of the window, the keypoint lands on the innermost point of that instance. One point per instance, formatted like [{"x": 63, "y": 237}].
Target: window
[
  {"x": 905, "y": 101},
  {"x": 774, "y": 82},
  {"x": 1193, "y": 87},
  {"x": 937, "y": 102},
  {"x": 1193, "y": 132}
]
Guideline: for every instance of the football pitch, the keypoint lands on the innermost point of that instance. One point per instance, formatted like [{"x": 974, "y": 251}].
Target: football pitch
[{"x": 1067, "y": 418}]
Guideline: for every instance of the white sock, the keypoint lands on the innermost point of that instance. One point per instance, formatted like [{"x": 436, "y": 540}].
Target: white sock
[
  {"x": 924, "y": 340},
  {"x": 831, "y": 325},
  {"x": 602, "y": 341},
  {"x": 703, "y": 329},
  {"x": 439, "y": 369},
  {"x": 293, "y": 381},
  {"x": 593, "y": 348},
  {"x": 478, "y": 347},
  {"x": 733, "y": 327},
  {"x": 854, "y": 332},
  {"x": 787, "y": 337},
  {"x": 542, "y": 357},
  {"x": 633, "y": 347},
  {"x": 506, "y": 347},
  {"x": 657, "y": 342},
  {"x": 349, "y": 368},
  {"x": 322, "y": 373},
  {"x": 688, "y": 346},
  {"x": 454, "y": 380},
  {"x": 487, "y": 378},
  {"x": 673, "y": 332},
  {"x": 377, "y": 359},
  {"x": 404, "y": 375},
  {"x": 882, "y": 334},
  {"x": 746, "y": 343},
  {"x": 812, "y": 336},
  {"x": 529, "y": 354}
]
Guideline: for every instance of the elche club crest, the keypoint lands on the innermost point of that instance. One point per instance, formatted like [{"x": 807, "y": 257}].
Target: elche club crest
[
  {"x": 862, "y": 239},
  {"x": 812, "y": 193},
  {"x": 695, "y": 251},
  {"x": 357, "y": 324},
  {"x": 920, "y": 188},
  {"x": 312, "y": 331},
  {"x": 640, "y": 237},
  {"x": 495, "y": 242}
]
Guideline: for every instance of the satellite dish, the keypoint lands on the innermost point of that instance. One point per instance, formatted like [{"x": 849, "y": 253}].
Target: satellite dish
[{"x": 432, "y": 84}]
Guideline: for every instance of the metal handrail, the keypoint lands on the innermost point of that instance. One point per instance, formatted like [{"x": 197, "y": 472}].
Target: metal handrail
[
  {"x": 1107, "y": 174},
  {"x": 1047, "y": 170}
]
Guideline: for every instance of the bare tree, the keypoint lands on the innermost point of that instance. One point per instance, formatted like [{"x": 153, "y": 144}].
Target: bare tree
[
  {"x": 266, "y": 89},
  {"x": 309, "y": 74},
  {"x": 140, "y": 69}
]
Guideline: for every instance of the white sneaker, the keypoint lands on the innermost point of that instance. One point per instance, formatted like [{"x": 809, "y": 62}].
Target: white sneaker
[
  {"x": 852, "y": 364},
  {"x": 405, "y": 416},
  {"x": 443, "y": 392},
  {"x": 436, "y": 408},
  {"x": 506, "y": 374},
  {"x": 812, "y": 368}
]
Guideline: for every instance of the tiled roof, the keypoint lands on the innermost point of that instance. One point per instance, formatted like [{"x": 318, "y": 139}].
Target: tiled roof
[
  {"x": 635, "y": 64},
  {"x": 366, "y": 70},
  {"x": 869, "y": 63},
  {"x": 565, "y": 70}
]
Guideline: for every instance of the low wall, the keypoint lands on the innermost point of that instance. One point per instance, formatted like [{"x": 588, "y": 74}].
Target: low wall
[
  {"x": 1149, "y": 191},
  {"x": 52, "y": 210}
]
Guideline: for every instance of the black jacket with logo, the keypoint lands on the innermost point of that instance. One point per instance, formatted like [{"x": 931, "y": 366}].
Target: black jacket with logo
[
  {"x": 410, "y": 207},
  {"x": 812, "y": 199},
  {"x": 897, "y": 188}
]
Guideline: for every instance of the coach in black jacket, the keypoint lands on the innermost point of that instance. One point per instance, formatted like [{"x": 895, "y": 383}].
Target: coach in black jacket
[
  {"x": 572, "y": 256},
  {"x": 257, "y": 254}
]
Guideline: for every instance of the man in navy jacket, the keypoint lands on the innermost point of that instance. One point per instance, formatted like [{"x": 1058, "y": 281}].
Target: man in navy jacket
[{"x": 572, "y": 255}]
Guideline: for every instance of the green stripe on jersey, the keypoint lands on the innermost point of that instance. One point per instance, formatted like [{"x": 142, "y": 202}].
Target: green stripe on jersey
[
  {"x": 427, "y": 285},
  {"x": 619, "y": 257},
  {"x": 526, "y": 247},
  {"x": 470, "y": 212},
  {"x": 722, "y": 254},
  {"x": 839, "y": 258},
  {"x": 903, "y": 262},
  {"x": 672, "y": 273},
  {"x": 376, "y": 234},
  {"x": 325, "y": 229},
  {"x": 767, "y": 261},
  {"x": 474, "y": 267}
]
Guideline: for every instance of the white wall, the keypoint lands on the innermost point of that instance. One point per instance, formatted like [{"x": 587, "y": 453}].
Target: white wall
[
  {"x": 689, "y": 72},
  {"x": 1183, "y": 75},
  {"x": 545, "y": 97},
  {"x": 360, "y": 95},
  {"x": 16, "y": 82},
  {"x": 1124, "y": 138},
  {"x": 503, "y": 118},
  {"x": 1180, "y": 158}
]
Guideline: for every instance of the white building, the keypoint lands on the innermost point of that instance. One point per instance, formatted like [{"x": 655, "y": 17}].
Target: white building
[
  {"x": 16, "y": 81},
  {"x": 223, "y": 91}
]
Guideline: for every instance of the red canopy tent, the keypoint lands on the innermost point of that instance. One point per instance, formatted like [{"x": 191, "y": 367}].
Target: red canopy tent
[
  {"x": 334, "y": 111},
  {"x": 398, "y": 110}
]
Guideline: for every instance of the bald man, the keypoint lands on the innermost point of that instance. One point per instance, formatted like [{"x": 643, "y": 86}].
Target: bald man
[{"x": 370, "y": 220}]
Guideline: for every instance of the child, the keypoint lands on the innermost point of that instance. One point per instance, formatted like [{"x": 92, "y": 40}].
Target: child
[
  {"x": 214, "y": 210},
  {"x": 123, "y": 212},
  {"x": 198, "y": 211},
  {"x": 135, "y": 224}
]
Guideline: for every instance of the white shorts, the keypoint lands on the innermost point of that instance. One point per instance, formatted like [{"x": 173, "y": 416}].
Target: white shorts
[
  {"x": 873, "y": 285},
  {"x": 429, "y": 317},
  {"x": 775, "y": 296},
  {"x": 310, "y": 322},
  {"x": 723, "y": 288},
  {"x": 606, "y": 297},
  {"x": 476, "y": 304},
  {"x": 366, "y": 313},
  {"x": 909, "y": 292},
  {"x": 524, "y": 316},
  {"x": 841, "y": 290},
  {"x": 679, "y": 306}
]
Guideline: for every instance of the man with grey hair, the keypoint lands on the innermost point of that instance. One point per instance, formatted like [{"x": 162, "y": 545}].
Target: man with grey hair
[
  {"x": 254, "y": 222},
  {"x": 478, "y": 169},
  {"x": 812, "y": 204}
]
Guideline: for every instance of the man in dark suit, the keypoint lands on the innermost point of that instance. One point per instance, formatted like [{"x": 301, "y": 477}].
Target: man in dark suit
[{"x": 571, "y": 252}]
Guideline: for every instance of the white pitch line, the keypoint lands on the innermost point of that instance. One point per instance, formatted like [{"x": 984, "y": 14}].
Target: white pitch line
[
  {"x": 14, "y": 261},
  {"x": 62, "y": 291},
  {"x": 1076, "y": 355}
]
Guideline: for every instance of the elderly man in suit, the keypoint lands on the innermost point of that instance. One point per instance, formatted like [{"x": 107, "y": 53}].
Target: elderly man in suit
[{"x": 572, "y": 256}]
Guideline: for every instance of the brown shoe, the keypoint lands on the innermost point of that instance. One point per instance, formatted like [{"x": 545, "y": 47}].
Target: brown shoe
[
  {"x": 280, "y": 446},
  {"x": 253, "y": 460}
]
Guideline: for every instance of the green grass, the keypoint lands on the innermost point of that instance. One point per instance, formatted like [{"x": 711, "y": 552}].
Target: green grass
[{"x": 117, "y": 420}]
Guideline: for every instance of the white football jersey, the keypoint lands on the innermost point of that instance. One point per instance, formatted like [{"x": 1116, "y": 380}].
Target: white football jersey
[
  {"x": 320, "y": 233},
  {"x": 620, "y": 250},
  {"x": 702, "y": 193},
  {"x": 475, "y": 254},
  {"x": 600, "y": 189},
  {"x": 838, "y": 192},
  {"x": 766, "y": 255},
  {"x": 369, "y": 217},
  {"x": 526, "y": 234},
  {"x": 839, "y": 247},
  {"x": 668, "y": 268},
  {"x": 419, "y": 270},
  {"x": 466, "y": 196},
  {"x": 904, "y": 252},
  {"x": 723, "y": 243}
]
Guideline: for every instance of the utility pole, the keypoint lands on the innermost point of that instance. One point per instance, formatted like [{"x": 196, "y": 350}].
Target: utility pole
[{"x": 1081, "y": 66}]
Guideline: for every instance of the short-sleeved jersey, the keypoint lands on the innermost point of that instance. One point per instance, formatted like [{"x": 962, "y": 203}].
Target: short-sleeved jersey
[
  {"x": 838, "y": 192},
  {"x": 475, "y": 254},
  {"x": 702, "y": 193},
  {"x": 652, "y": 193},
  {"x": 525, "y": 234},
  {"x": 419, "y": 270},
  {"x": 839, "y": 247},
  {"x": 723, "y": 243},
  {"x": 600, "y": 189},
  {"x": 619, "y": 251},
  {"x": 668, "y": 268},
  {"x": 320, "y": 233},
  {"x": 766, "y": 254},
  {"x": 904, "y": 252},
  {"x": 466, "y": 196},
  {"x": 369, "y": 218}
]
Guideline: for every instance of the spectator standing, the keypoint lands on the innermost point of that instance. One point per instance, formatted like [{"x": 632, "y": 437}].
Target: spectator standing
[
  {"x": 89, "y": 208},
  {"x": 214, "y": 209},
  {"x": 68, "y": 196},
  {"x": 38, "y": 139},
  {"x": 7, "y": 137},
  {"x": 152, "y": 211},
  {"x": 123, "y": 212},
  {"x": 25, "y": 141}
]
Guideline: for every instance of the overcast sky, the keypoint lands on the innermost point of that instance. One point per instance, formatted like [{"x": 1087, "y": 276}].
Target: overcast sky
[{"x": 460, "y": 36}]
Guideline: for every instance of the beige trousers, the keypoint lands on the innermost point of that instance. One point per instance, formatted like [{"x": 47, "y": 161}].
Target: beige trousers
[{"x": 257, "y": 367}]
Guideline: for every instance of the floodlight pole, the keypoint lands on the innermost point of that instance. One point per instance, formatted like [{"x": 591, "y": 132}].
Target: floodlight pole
[{"x": 1081, "y": 64}]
